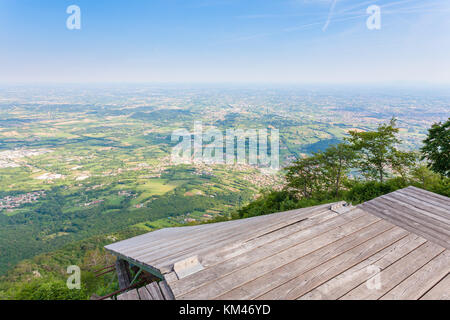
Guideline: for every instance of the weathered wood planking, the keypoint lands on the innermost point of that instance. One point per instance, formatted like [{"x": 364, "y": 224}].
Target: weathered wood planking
[
  {"x": 177, "y": 233},
  {"x": 311, "y": 253},
  {"x": 306, "y": 237},
  {"x": 244, "y": 237},
  {"x": 441, "y": 291},
  {"x": 417, "y": 218},
  {"x": 219, "y": 238},
  {"x": 154, "y": 291},
  {"x": 203, "y": 240},
  {"x": 210, "y": 259},
  {"x": 152, "y": 240},
  {"x": 254, "y": 252},
  {"x": 133, "y": 295},
  {"x": 422, "y": 280},
  {"x": 339, "y": 285},
  {"x": 437, "y": 213},
  {"x": 403, "y": 220},
  {"x": 428, "y": 196},
  {"x": 287, "y": 281},
  {"x": 393, "y": 275},
  {"x": 419, "y": 209},
  {"x": 428, "y": 193},
  {"x": 129, "y": 295},
  {"x": 144, "y": 294},
  {"x": 166, "y": 291},
  {"x": 305, "y": 282},
  {"x": 213, "y": 241},
  {"x": 223, "y": 284},
  {"x": 210, "y": 256}
]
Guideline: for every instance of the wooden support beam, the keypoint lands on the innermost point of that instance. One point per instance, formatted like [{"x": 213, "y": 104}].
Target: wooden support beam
[{"x": 123, "y": 273}]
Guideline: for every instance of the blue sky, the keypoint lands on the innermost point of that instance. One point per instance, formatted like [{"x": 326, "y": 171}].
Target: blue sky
[{"x": 281, "y": 41}]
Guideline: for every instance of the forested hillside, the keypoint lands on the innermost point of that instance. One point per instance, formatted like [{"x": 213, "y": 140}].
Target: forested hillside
[{"x": 44, "y": 276}]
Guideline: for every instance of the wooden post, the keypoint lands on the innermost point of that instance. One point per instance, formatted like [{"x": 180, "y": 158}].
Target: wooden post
[{"x": 123, "y": 273}]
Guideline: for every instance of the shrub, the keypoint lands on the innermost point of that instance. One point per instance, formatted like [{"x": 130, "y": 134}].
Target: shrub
[{"x": 368, "y": 190}]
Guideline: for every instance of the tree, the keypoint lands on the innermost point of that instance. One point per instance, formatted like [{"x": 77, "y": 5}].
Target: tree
[
  {"x": 436, "y": 149},
  {"x": 322, "y": 173},
  {"x": 305, "y": 176},
  {"x": 377, "y": 151},
  {"x": 49, "y": 289},
  {"x": 338, "y": 159},
  {"x": 424, "y": 178},
  {"x": 403, "y": 162}
]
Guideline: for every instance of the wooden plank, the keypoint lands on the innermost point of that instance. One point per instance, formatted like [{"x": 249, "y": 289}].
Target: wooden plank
[
  {"x": 212, "y": 255},
  {"x": 419, "y": 205},
  {"x": 185, "y": 251},
  {"x": 166, "y": 291},
  {"x": 422, "y": 280},
  {"x": 429, "y": 200},
  {"x": 123, "y": 296},
  {"x": 380, "y": 211},
  {"x": 353, "y": 277},
  {"x": 128, "y": 295},
  {"x": 298, "y": 277},
  {"x": 221, "y": 227},
  {"x": 326, "y": 228},
  {"x": 134, "y": 248},
  {"x": 300, "y": 285},
  {"x": 170, "y": 277},
  {"x": 166, "y": 254},
  {"x": 406, "y": 224},
  {"x": 396, "y": 273},
  {"x": 255, "y": 270},
  {"x": 215, "y": 257},
  {"x": 429, "y": 231},
  {"x": 144, "y": 294},
  {"x": 429, "y": 194},
  {"x": 154, "y": 238},
  {"x": 163, "y": 245},
  {"x": 298, "y": 235},
  {"x": 216, "y": 227},
  {"x": 133, "y": 295},
  {"x": 146, "y": 237},
  {"x": 412, "y": 215},
  {"x": 441, "y": 291},
  {"x": 154, "y": 291}
]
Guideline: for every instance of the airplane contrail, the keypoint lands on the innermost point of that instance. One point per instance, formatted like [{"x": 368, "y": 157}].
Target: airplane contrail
[{"x": 330, "y": 14}]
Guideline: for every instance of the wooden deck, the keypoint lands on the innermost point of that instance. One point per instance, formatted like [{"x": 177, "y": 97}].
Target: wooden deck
[
  {"x": 152, "y": 291},
  {"x": 311, "y": 253},
  {"x": 421, "y": 212}
]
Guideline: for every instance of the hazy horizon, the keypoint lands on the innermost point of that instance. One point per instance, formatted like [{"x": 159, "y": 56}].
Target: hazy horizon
[{"x": 225, "y": 41}]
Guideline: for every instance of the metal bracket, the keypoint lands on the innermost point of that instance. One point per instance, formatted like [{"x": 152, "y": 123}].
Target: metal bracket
[
  {"x": 136, "y": 276},
  {"x": 187, "y": 267}
]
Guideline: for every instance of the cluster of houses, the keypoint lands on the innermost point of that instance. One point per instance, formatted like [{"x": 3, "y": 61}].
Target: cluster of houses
[
  {"x": 265, "y": 181},
  {"x": 13, "y": 202},
  {"x": 125, "y": 193},
  {"x": 9, "y": 158},
  {"x": 88, "y": 204}
]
